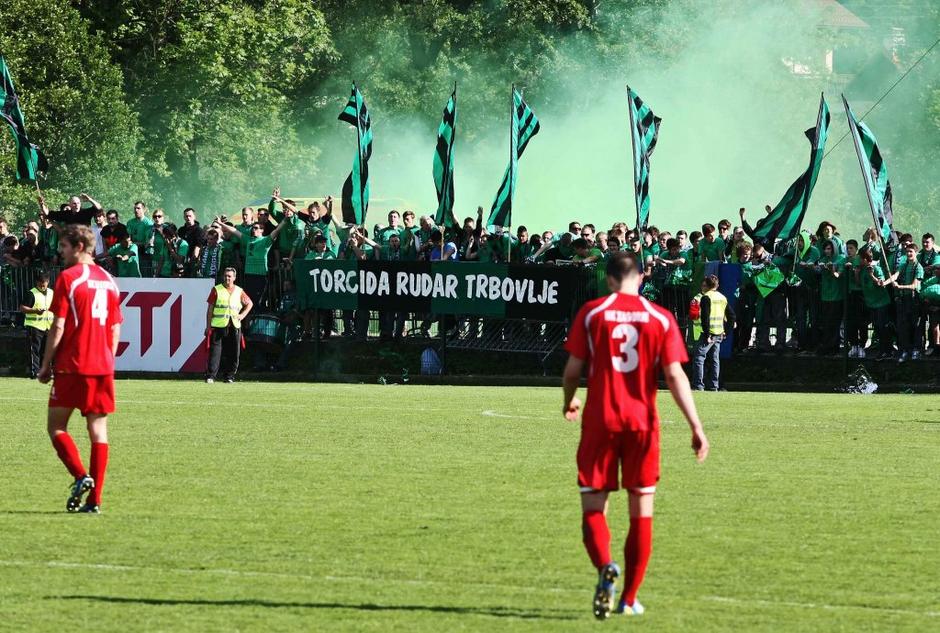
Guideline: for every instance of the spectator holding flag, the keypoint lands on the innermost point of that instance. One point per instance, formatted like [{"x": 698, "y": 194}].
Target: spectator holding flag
[
  {"x": 832, "y": 294},
  {"x": 877, "y": 300},
  {"x": 907, "y": 282}
]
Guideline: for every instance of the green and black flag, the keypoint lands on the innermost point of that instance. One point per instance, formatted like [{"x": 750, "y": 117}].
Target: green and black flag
[
  {"x": 523, "y": 126},
  {"x": 444, "y": 164},
  {"x": 644, "y": 131},
  {"x": 356, "y": 187},
  {"x": 29, "y": 160},
  {"x": 875, "y": 175},
  {"x": 786, "y": 218}
]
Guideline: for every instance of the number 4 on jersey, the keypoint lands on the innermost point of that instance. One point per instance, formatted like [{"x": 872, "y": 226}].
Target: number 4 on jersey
[{"x": 99, "y": 306}]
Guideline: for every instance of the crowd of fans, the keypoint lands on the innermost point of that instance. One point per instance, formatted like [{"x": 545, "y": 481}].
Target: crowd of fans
[{"x": 827, "y": 291}]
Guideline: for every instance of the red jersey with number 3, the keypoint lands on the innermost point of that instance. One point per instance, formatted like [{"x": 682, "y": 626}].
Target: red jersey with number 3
[
  {"x": 86, "y": 296},
  {"x": 624, "y": 339}
]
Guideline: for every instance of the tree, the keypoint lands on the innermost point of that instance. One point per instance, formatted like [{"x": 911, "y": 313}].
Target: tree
[
  {"x": 73, "y": 102},
  {"x": 216, "y": 85}
]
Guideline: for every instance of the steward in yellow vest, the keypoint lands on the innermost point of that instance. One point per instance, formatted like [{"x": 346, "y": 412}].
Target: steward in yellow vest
[
  {"x": 38, "y": 315},
  {"x": 38, "y": 320},
  {"x": 228, "y": 307},
  {"x": 714, "y": 311},
  {"x": 713, "y": 319}
]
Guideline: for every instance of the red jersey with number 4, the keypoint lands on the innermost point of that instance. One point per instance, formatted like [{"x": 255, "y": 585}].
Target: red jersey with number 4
[
  {"x": 86, "y": 296},
  {"x": 624, "y": 339}
]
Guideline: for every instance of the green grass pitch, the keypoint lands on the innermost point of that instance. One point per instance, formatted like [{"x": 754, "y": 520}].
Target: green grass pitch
[{"x": 278, "y": 507}]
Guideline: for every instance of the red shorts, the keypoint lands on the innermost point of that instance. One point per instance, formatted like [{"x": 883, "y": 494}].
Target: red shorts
[
  {"x": 602, "y": 453},
  {"x": 88, "y": 394}
]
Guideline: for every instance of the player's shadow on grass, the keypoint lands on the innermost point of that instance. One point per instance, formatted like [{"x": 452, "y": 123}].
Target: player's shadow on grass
[
  {"x": 40, "y": 512},
  {"x": 496, "y": 612}
]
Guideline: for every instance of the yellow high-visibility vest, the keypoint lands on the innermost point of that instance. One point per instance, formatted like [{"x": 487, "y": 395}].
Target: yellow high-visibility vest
[
  {"x": 41, "y": 300},
  {"x": 716, "y": 314},
  {"x": 227, "y": 307}
]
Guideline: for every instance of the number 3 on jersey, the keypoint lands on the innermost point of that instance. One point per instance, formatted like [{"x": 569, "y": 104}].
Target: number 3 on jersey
[
  {"x": 629, "y": 358},
  {"x": 99, "y": 306}
]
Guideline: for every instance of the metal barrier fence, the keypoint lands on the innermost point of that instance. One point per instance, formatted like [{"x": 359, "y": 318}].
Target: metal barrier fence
[
  {"x": 462, "y": 332},
  {"x": 277, "y": 297}
]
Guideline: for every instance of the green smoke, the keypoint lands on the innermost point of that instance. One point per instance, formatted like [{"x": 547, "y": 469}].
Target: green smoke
[{"x": 736, "y": 85}]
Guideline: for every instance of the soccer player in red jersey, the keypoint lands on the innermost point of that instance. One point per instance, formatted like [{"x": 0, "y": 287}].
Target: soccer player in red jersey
[
  {"x": 80, "y": 350},
  {"x": 624, "y": 340}
]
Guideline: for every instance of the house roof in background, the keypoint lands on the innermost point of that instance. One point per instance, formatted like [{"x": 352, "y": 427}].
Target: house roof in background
[{"x": 834, "y": 15}]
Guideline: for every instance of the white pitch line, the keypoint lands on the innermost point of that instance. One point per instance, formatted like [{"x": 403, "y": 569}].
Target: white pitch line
[
  {"x": 813, "y": 605},
  {"x": 493, "y": 414},
  {"x": 267, "y": 405},
  {"x": 430, "y": 583},
  {"x": 265, "y": 574}
]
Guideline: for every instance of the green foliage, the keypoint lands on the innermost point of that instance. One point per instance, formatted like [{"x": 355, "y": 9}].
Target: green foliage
[
  {"x": 217, "y": 87},
  {"x": 74, "y": 105},
  {"x": 209, "y": 103}
]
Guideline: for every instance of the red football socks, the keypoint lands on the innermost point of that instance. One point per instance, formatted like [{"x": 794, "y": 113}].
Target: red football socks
[
  {"x": 636, "y": 555},
  {"x": 99, "y": 463},
  {"x": 68, "y": 453},
  {"x": 596, "y": 537}
]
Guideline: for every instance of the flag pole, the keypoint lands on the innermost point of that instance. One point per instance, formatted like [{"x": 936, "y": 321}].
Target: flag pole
[
  {"x": 861, "y": 166},
  {"x": 450, "y": 157},
  {"x": 636, "y": 198},
  {"x": 357, "y": 96},
  {"x": 512, "y": 104},
  {"x": 448, "y": 173}
]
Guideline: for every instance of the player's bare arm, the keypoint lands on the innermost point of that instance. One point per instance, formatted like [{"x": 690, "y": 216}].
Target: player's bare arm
[
  {"x": 115, "y": 338},
  {"x": 678, "y": 384},
  {"x": 53, "y": 338},
  {"x": 571, "y": 379}
]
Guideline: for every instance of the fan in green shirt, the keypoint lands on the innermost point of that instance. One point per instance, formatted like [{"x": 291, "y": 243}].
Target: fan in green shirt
[
  {"x": 585, "y": 253},
  {"x": 258, "y": 245},
  {"x": 290, "y": 239},
  {"x": 711, "y": 248},
  {"x": 320, "y": 221},
  {"x": 832, "y": 266},
  {"x": 930, "y": 289},
  {"x": 522, "y": 248},
  {"x": 492, "y": 249},
  {"x": 357, "y": 245},
  {"x": 909, "y": 275},
  {"x": 49, "y": 238},
  {"x": 852, "y": 265},
  {"x": 124, "y": 256},
  {"x": 384, "y": 233},
  {"x": 805, "y": 257},
  {"x": 394, "y": 251},
  {"x": 928, "y": 256},
  {"x": 827, "y": 231},
  {"x": 156, "y": 245},
  {"x": 140, "y": 228},
  {"x": 678, "y": 265},
  {"x": 872, "y": 279},
  {"x": 319, "y": 250},
  {"x": 427, "y": 227},
  {"x": 173, "y": 252},
  {"x": 871, "y": 245},
  {"x": 832, "y": 296}
]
